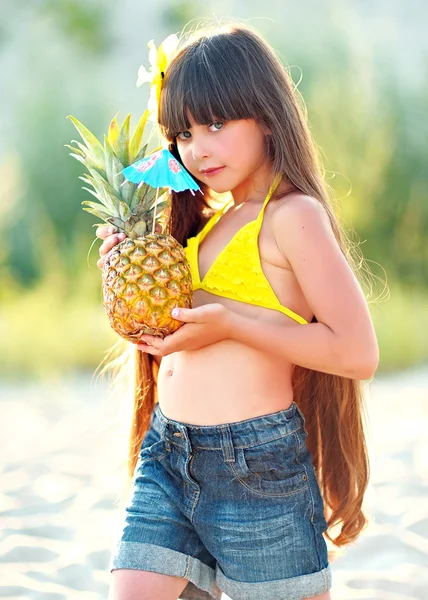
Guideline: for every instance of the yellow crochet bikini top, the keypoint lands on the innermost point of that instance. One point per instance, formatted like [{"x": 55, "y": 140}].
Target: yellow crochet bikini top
[{"x": 236, "y": 273}]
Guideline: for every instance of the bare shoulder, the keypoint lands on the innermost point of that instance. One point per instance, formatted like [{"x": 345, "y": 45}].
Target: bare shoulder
[
  {"x": 301, "y": 225},
  {"x": 298, "y": 207}
]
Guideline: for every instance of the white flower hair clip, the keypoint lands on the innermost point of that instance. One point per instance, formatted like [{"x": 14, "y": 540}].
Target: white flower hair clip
[{"x": 159, "y": 60}]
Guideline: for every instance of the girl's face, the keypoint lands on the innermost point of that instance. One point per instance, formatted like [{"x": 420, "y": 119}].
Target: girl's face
[{"x": 236, "y": 149}]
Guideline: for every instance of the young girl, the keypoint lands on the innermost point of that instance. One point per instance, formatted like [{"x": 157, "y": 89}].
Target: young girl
[{"x": 247, "y": 444}]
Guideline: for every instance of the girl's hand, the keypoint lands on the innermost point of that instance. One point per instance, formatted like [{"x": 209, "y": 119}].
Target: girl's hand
[
  {"x": 110, "y": 240},
  {"x": 204, "y": 325}
]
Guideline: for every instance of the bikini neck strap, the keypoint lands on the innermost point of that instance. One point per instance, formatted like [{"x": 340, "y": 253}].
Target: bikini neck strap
[{"x": 271, "y": 191}]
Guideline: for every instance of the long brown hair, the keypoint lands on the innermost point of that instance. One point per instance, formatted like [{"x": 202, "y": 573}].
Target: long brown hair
[{"x": 227, "y": 73}]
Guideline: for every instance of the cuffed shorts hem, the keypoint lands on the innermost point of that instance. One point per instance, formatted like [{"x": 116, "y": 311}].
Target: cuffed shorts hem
[
  {"x": 206, "y": 583},
  {"x": 293, "y": 588},
  {"x": 149, "y": 557}
]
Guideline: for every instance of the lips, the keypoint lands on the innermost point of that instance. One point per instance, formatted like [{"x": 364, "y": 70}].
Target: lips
[{"x": 211, "y": 171}]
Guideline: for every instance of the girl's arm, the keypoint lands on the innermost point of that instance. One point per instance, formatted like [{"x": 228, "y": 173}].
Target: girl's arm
[
  {"x": 314, "y": 346},
  {"x": 343, "y": 342}
]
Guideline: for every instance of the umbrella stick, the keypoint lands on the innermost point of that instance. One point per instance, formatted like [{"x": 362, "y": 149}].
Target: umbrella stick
[{"x": 154, "y": 216}]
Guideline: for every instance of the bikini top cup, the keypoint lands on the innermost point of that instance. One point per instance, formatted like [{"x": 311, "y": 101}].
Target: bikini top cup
[{"x": 236, "y": 273}]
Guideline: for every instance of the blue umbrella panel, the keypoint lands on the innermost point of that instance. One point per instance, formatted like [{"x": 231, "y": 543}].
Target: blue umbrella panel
[{"x": 161, "y": 169}]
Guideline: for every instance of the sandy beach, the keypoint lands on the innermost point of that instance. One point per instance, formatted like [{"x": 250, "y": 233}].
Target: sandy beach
[{"x": 63, "y": 448}]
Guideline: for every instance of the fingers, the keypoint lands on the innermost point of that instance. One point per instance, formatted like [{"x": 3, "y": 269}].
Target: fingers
[
  {"x": 109, "y": 242},
  {"x": 105, "y": 230},
  {"x": 152, "y": 344},
  {"x": 150, "y": 349}
]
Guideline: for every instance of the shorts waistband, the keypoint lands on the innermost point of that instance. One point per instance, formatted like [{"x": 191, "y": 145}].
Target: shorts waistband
[{"x": 256, "y": 430}]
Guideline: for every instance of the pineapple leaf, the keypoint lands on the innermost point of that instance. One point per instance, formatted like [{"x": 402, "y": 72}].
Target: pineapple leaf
[
  {"x": 110, "y": 198},
  {"x": 135, "y": 143},
  {"x": 113, "y": 130},
  {"x": 116, "y": 177},
  {"x": 90, "y": 164},
  {"x": 82, "y": 147},
  {"x": 98, "y": 213},
  {"x": 162, "y": 198},
  {"x": 89, "y": 252},
  {"x": 97, "y": 196},
  {"x": 121, "y": 145},
  {"x": 77, "y": 156},
  {"x": 139, "y": 194},
  {"x": 101, "y": 204},
  {"x": 85, "y": 152},
  {"x": 142, "y": 195},
  {"x": 94, "y": 146},
  {"x": 95, "y": 206},
  {"x": 161, "y": 206},
  {"x": 141, "y": 154},
  {"x": 114, "y": 173},
  {"x": 128, "y": 190},
  {"x": 87, "y": 179},
  {"x": 106, "y": 186},
  {"x": 76, "y": 150},
  {"x": 125, "y": 189},
  {"x": 125, "y": 212},
  {"x": 117, "y": 223}
]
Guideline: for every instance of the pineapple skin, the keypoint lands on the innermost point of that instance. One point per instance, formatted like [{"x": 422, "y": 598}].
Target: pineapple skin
[{"x": 143, "y": 279}]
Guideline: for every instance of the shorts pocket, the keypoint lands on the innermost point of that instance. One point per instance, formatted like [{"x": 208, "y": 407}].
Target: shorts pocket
[
  {"x": 153, "y": 446},
  {"x": 271, "y": 468},
  {"x": 304, "y": 457}
]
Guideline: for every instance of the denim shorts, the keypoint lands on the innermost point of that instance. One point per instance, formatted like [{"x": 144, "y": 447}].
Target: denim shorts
[{"x": 233, "y": 508}]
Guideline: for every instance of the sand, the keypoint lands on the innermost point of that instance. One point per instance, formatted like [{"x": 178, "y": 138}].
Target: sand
[{"x": 63, "y": 449}]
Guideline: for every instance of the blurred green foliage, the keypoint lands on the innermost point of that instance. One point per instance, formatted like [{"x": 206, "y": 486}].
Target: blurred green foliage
[
  {"x": 85, "y": 24},
  {"x": 368, "y": 126}
]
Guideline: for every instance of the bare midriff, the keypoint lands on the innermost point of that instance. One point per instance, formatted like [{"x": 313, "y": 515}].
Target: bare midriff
[
  {"x": 229, "y": 381},
  {"x": 242, "y": 384}
]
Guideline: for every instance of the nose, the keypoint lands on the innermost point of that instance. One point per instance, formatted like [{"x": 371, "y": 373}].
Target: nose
[{"x": 199, "y": 150}]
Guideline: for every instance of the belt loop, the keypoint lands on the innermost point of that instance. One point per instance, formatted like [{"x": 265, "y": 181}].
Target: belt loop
[
  {"x": 184, "y": 434},
  {"x": 301, "y": 414},
  {"x": 227, "y": 444}
]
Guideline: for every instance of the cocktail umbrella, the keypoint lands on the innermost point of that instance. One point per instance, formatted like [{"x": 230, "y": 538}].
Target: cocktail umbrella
[{"x": 161, "y": 169}]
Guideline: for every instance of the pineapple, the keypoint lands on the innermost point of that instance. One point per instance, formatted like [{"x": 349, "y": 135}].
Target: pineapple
[{"x": 147, "y": 274}]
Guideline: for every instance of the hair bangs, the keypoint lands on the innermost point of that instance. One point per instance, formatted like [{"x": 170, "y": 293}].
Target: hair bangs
[{"x": 203, "y": 85}]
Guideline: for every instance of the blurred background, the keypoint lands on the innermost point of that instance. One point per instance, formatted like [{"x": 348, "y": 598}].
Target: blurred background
[{"x": 362, "y": 69}]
